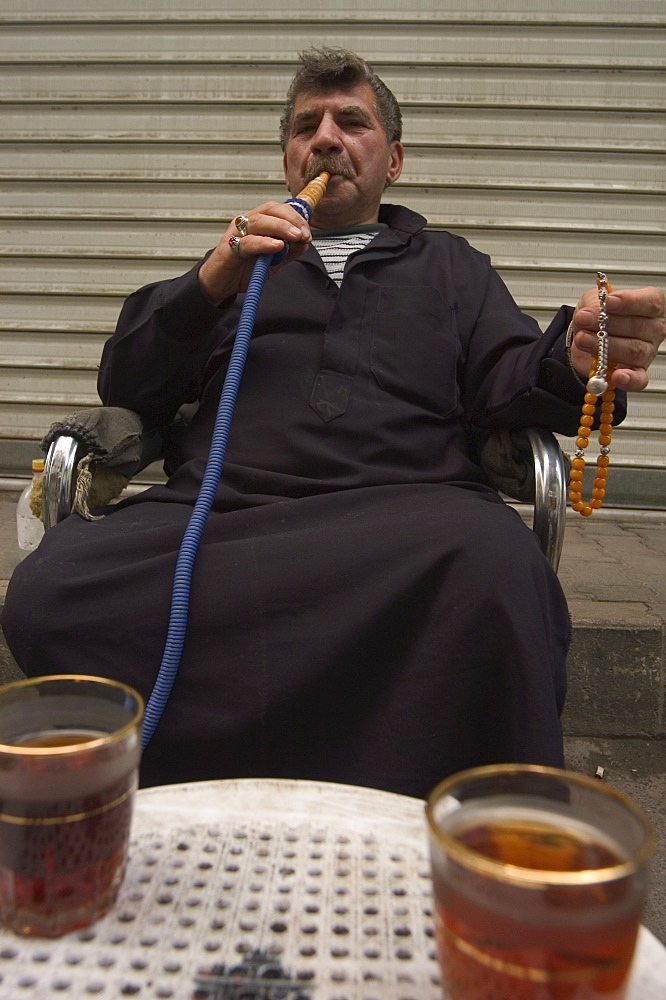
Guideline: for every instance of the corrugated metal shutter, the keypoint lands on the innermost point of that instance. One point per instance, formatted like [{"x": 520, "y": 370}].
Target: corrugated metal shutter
[{"x": 130, "y": 136}]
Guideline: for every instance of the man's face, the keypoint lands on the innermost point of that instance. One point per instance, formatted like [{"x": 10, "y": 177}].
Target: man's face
[{"x": 339, "y": 131}]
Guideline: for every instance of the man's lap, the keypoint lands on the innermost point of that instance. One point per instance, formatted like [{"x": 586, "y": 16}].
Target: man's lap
[{"x": 349, "y": 611}]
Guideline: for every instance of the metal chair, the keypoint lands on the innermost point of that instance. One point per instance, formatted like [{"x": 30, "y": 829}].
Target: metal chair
[{"x": 530, "y": 458}]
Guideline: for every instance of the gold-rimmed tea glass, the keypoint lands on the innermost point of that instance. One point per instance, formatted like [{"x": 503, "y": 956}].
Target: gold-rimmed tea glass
[
  {"x": 539, "y": 879},
  {"x": 70, "y": 747}
]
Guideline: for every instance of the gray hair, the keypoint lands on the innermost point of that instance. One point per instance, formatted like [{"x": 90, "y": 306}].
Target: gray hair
[{"x": 332, "y": 69}]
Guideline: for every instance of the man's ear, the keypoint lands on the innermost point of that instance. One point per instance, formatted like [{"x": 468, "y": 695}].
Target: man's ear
[{"x": 396, "y": 159}]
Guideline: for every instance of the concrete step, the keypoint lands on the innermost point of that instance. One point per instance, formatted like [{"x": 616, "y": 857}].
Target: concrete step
[{"x": 613, "y": 572}]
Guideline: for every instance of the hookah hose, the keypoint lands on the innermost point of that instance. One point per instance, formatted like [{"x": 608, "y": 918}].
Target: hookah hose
[{"x": 304, "y": 203}]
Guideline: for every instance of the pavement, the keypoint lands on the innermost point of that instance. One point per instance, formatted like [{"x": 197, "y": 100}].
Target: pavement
[{"x": 613, "y": 571}]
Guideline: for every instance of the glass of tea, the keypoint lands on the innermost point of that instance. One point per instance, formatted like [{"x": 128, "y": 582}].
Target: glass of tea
[
  {"x": 69, "y": 758},
  {"x": 539, "y": 879}
]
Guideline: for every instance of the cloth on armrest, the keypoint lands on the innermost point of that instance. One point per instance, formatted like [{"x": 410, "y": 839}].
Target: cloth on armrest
[
  {"x": 508, "y": 461},
  {"x": 114, "y": 442}
]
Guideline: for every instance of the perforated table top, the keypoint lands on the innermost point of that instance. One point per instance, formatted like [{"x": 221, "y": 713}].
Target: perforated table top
[{"x": 265, "y": 889}]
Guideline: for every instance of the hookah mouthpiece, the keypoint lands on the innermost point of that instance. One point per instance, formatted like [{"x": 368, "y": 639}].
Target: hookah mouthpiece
[{"x": 315, "y": 190}]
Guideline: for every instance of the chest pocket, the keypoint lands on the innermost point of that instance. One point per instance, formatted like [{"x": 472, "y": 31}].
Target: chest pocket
[{"x": 415, "y": 348}]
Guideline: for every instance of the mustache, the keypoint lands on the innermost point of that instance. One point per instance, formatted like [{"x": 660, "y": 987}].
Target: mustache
[{"x": 333, "y": 163}]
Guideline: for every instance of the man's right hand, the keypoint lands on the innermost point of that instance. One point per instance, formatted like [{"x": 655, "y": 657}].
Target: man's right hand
[{"x": 269, "y": 227}]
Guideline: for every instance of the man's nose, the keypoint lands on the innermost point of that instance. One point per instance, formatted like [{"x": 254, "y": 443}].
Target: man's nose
[{"x": 327, "y": 137}]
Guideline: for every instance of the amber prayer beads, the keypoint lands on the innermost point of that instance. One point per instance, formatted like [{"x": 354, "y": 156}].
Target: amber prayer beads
[{"x": 598, "y": 387}]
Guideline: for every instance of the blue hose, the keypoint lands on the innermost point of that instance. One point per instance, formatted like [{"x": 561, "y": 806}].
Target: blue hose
[{"x": 180, "y": 597}]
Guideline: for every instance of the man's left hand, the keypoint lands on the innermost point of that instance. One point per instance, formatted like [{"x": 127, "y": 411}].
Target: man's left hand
[{"x": 636, "y": 327}]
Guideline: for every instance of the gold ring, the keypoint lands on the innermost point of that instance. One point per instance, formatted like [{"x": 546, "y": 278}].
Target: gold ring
[
  {"x": 240, "y": 222},
  {"x": 234, "y": 243}
]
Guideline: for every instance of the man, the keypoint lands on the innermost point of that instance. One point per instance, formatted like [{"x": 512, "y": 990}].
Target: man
[{"x": 364, "y": 606}]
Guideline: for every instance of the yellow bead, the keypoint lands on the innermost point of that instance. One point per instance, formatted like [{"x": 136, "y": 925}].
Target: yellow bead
[
  {"x": 607, "y": 407},
  {"x": 576, "y": 475},
  {"x": 578, "y": 505},
  {"x": 586, "y": 421},
  {"x": 605, "y": 427},
  {"x": 589, "y": 398},
  {"x": 603, "y": 461},
  {"x": 578, "y": 463},
  {"x": 601, "y": 472},
  {"x": 598, "y": 494},
  {"x": 584, "y": 432},
  {"x": 588, "y": 409},
  {"x": 604, "y": 440},
  {"x": 582, "y": 442},
  {"x": 608, "y": 396},
  {"x": 586, "y": 511},
  {"x": 596, "y": 504}
]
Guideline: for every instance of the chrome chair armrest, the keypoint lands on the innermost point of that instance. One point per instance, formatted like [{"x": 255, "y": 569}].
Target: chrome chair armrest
[
  {"x": 527, "y": 464},
  {"x": 121, "y": 446},
  {"x": 58, "y": 479},
  {"x": 550, "y": 499}
]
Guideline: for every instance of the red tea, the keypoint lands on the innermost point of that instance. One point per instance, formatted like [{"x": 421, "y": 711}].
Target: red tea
[
  {"x": 502, "y": 941},
  {"x": 62, "y": 853}
]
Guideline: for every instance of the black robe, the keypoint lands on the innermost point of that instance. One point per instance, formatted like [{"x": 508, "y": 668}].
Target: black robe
[{"x": 364, "y": 606}]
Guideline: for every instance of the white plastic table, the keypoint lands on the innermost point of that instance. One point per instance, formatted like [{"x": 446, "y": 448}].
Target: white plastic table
[{"x": 315, "y": 891}]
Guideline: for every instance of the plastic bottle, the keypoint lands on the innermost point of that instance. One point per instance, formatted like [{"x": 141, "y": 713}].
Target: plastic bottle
[{"x": 29, "y": 528}]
